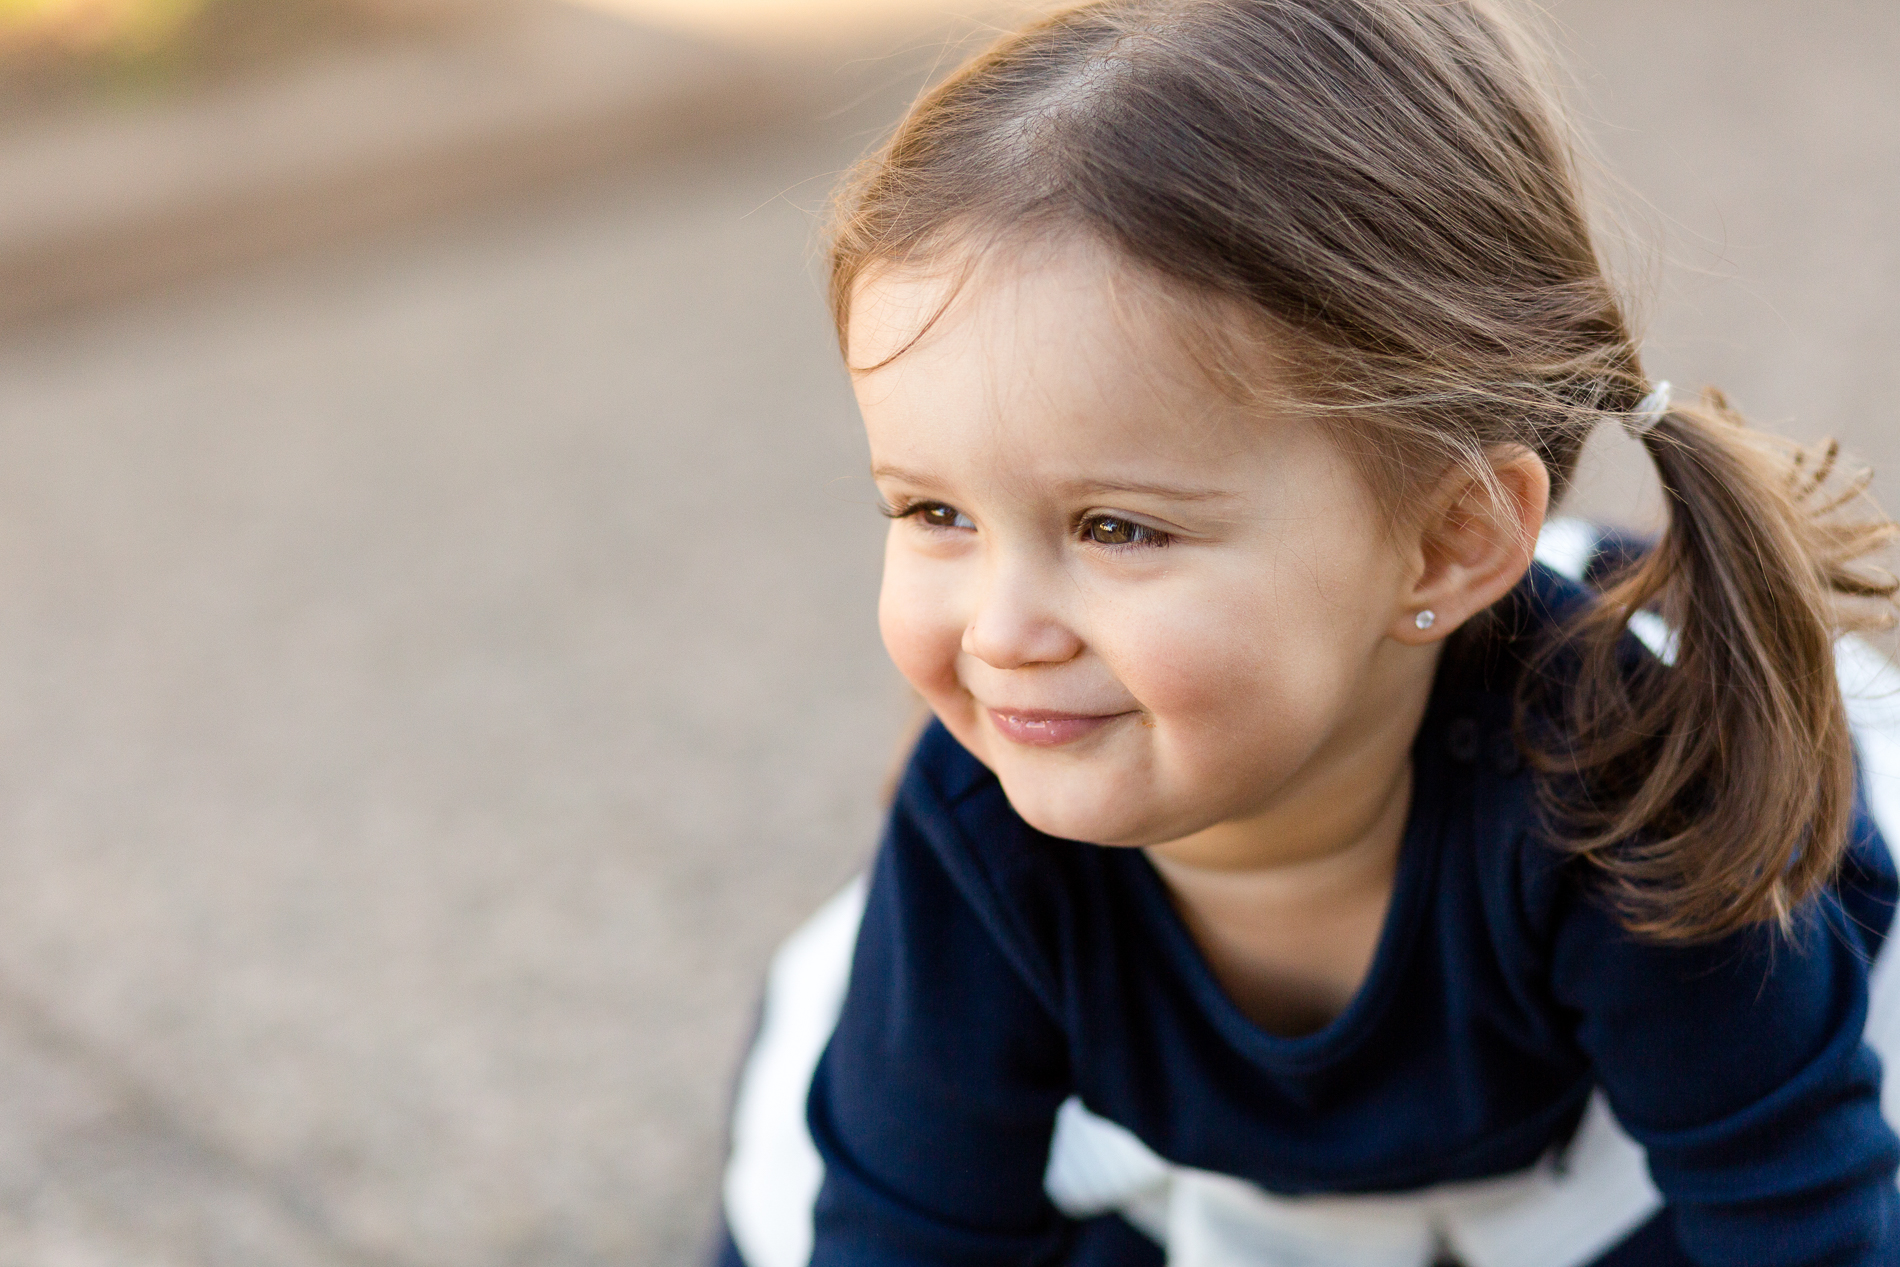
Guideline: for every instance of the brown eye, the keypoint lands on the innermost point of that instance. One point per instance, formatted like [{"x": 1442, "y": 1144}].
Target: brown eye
[
  {"x": 1111, "y": 530},
  {"x": 933, "y": 515}
]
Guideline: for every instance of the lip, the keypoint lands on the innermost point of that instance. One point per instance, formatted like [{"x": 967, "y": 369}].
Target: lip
[{"x": 1046, "y": 728}]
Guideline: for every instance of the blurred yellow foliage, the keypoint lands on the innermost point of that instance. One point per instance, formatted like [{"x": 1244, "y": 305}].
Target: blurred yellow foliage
[
  {"x": 775, "y": 22},
  {"x": 130, "y": 27}
]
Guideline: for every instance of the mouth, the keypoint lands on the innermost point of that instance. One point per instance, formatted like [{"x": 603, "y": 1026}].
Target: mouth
[{"x": 1046, "y": 728}]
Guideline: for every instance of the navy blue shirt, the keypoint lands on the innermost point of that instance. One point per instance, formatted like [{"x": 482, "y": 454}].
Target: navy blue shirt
[{"x": 999, "y": 971}]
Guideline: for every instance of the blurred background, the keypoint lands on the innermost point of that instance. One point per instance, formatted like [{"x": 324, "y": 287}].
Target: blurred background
[{"x": 437, "y": 648}]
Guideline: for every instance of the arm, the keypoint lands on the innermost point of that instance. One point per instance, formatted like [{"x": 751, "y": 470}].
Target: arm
[
  {"x": 935, "y": 1101},
  {"x": 1740, "y": 1067}
]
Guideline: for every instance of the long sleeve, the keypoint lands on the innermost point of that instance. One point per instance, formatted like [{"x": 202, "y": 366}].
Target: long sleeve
[
  {"x": 1740, "y": 1067},
  {"x": 934, "y": 1104}
]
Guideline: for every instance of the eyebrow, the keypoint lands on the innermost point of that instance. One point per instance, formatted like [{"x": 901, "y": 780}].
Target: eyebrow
[
  {"x": 1172, "y": 492},
  {"x": 1169, "y": 492}
]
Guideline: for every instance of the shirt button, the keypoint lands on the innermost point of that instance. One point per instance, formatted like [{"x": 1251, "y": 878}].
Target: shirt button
[
  {"x": 1462, "y": 740},
  {"x": 1505, "y": 758}
]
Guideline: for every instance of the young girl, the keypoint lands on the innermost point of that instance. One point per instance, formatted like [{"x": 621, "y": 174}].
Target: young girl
[{"x": 1297, "y": 871}]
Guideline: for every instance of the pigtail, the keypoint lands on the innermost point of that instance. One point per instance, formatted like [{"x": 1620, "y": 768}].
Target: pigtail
[{"x": 1713, "y": 782}]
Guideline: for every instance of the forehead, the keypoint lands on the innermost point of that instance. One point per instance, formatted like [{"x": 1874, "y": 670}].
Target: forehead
[{"x": 1061, "y": 355}]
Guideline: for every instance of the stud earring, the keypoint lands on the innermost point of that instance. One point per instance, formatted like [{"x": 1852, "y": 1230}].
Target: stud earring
[{"x": 1425, "y": 619}]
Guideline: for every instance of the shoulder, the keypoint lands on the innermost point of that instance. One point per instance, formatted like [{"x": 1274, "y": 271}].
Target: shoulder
[
  {"x": 1520, "y": 662},
  {"x": 953, "y": 837},
  {"x": 954, "y": 806}
]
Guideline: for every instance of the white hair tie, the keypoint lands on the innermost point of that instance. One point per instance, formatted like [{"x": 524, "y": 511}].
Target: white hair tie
[{"x": 1649, "y": 412}]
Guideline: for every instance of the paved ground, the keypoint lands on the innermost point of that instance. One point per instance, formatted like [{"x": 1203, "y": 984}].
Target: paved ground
[{"x": 433, "y": 674}]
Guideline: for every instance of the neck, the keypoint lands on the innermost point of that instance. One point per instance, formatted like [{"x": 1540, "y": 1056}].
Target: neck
[
  {"x": 1359, "y": 857},
  {"x": 1288, "y": 906}
]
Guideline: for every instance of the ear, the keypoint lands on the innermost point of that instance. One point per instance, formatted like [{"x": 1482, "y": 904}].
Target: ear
[{"x": 1474, "y": 542}]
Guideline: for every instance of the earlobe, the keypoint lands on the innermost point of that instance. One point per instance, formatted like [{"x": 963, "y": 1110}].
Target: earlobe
[{"x": 1474, "y": 544}]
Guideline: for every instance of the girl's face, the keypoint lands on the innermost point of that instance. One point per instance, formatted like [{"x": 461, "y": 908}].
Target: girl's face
[{"x": 1150, "y": 610}]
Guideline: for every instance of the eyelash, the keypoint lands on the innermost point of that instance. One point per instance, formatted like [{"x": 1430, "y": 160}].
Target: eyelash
[
  {"x": 912, "y": 510},
  {"x": 1146, "y": 538}
]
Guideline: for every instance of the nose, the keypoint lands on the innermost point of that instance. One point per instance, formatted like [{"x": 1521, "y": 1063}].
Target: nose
[{"x": 1019, "y": 620}]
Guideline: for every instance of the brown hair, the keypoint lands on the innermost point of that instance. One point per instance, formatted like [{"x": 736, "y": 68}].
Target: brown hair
[{"x": 1389, "y": 188}]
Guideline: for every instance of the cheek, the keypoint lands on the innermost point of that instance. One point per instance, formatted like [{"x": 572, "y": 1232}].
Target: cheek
[
  {"x": 1268, "y": 659},
  {"x": 917, "y": 615},
  {"x": 1198, "y": 670}
]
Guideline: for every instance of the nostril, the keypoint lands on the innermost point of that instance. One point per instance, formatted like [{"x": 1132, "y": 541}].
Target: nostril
[{"x": 1017, "y": 625}]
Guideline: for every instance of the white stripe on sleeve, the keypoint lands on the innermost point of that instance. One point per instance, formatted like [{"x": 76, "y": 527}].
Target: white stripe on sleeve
[{"x": 773, "y": 1177}]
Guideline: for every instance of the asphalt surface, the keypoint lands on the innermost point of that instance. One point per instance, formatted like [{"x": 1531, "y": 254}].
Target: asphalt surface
[{"x": 435, "y": 672}]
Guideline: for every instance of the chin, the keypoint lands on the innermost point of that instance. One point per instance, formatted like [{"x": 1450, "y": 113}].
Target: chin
[{"x": 1078, "y": 814}]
